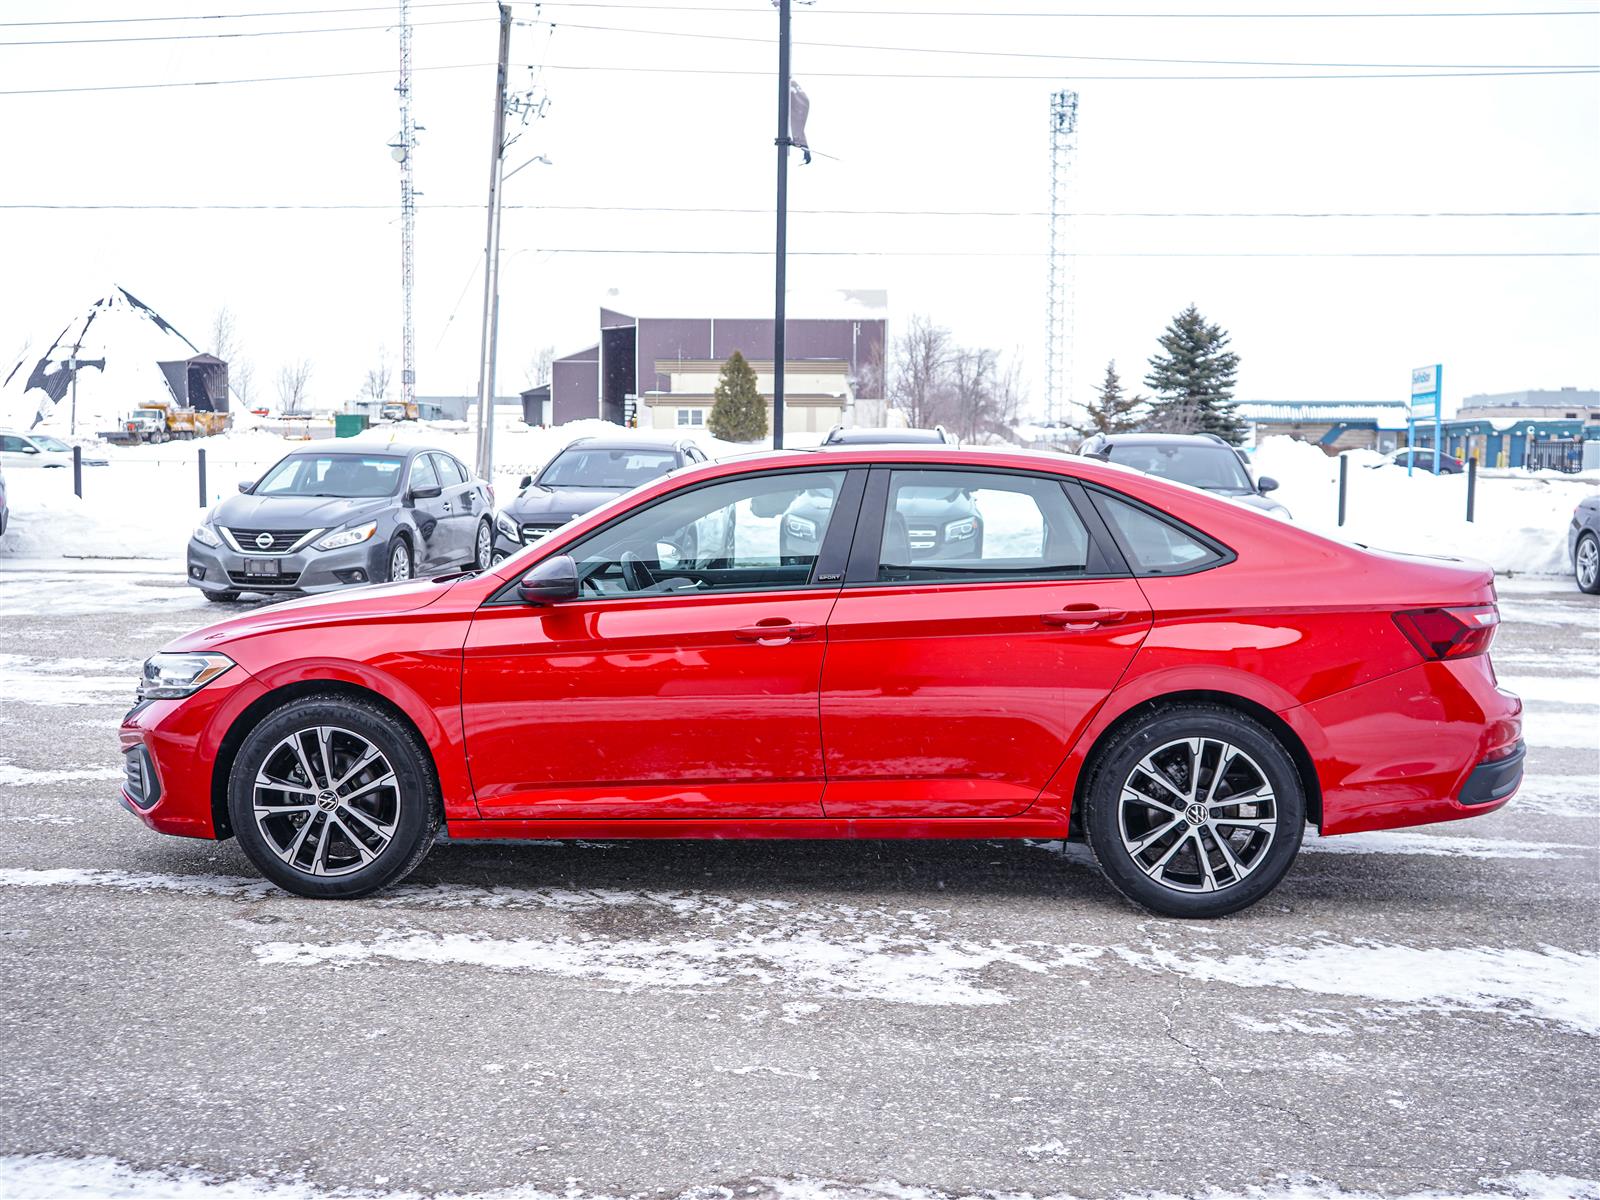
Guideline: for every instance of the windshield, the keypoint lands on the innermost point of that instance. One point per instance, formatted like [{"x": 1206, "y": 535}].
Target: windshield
[
  {"x": 1216, "y": 468},
  {"x": 50, "y": 443},
  {"x": 598, "y": 467},
  {"x": 344, "y": 475}
]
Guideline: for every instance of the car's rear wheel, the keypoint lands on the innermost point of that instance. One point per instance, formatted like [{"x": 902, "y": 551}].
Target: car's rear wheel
[
  {"x": 399, "y": 560},
  {"x": 1586, "y": 563},
  {"x": 1195, "y": 811},
  {"x": 333, "y": 798}
]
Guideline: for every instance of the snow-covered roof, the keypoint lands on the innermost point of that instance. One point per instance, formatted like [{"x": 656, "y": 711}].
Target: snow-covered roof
[
  {"x": 1387, "y": 414},
  {"x": 119, "y": 343}
]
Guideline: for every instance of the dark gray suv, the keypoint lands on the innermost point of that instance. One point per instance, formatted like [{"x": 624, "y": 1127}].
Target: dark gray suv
[
  {"x": 1201, "y": 460},
  {"x": 321, "y": 519}
]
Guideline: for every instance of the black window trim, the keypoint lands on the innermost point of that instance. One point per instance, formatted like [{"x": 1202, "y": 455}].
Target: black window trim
[
  {"x": 833, "y": 554},
  {"x": 1222, "y": 554},
  {"x": 862, "y": 572}
]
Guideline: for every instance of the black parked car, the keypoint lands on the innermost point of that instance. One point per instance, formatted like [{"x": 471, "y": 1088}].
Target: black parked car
[
  {"x": 1201, "y": 460},
  {"x": 582, "y": 477},
  {"x": 1583, "y": 544},
  {"x": 1422, "y": 460}
]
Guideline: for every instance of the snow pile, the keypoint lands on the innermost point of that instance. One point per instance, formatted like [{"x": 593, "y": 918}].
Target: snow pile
[
  {"x": 1521, "y": 522},
  {"x": 146, "y": 502}
]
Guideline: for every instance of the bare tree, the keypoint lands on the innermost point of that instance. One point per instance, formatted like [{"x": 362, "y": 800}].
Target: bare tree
[
  {"x": 919, "y": 385},
  {"x": 242, "y": 378},
  {"x": 537, "y": 372},
  {"x": 292, "y": 381},
  {"x": 224, "y": 335},
  {"x": 1180, "y": 415},
  {"x": 377, "y": 384}
]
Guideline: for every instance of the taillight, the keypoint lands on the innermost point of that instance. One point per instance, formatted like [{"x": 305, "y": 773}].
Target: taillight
[{"x": 1449, "y": 632}]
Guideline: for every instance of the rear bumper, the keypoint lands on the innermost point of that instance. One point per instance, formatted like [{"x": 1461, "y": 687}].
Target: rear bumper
[{"x": 1436, "y": 742}]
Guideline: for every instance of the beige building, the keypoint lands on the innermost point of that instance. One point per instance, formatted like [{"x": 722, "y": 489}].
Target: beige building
[{"x": 816, "y": 394}]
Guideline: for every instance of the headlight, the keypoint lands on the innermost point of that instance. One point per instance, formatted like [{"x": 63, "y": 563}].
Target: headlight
[
  {"x": 800, "y": 527},
  {"x": 958, "y": 531},
  {"x": 207, "y": 536},
  {"x": 348, "y": 537},
  {"x": 508, "y": 527},
  {"x": 174, "y": 676}
]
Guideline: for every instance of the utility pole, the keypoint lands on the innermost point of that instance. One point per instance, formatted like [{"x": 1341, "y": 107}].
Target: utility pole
[
  {"x": 73, "y": 364},
  {"x": 778, "y": 319},
  {"x": 1058, "y": 318},
  {"x": 491, "y": 260},
  {"x": 401, "y": 150}
]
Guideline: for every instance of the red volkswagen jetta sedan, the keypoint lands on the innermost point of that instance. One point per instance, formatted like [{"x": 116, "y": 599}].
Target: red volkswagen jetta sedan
[{"x": 883, "y": 642}]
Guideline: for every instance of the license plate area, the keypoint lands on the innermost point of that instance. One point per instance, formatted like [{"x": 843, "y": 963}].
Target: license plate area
[{"x": 261, "y": 566}]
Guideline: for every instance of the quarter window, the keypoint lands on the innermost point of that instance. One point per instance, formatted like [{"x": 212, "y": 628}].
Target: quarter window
[
  {"x": 967, "y": 525},
  {"x": 1155, "y": 546},
  {"x": 754, "y": 533}
]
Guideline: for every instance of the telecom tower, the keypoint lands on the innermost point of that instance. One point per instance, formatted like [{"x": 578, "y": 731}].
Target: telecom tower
[
  {"x": 401, "y": 149},
  {"x": 1058, "y": 296}
]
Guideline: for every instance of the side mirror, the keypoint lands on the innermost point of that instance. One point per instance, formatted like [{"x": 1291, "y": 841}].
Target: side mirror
[
  {"x": 426, "y": 493},
  {"x": 1266, "y": 484},
  {"x": 247, "y": 486},
  {"x": 553, "y": 579},
  {"x": 30, "y": 448},
  {"x": 525, "y": 483}
]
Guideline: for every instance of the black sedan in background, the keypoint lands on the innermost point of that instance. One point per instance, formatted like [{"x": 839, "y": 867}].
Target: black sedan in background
[
  {"x": 1583, "y": 545},
  {"x": 1201, "y": 460},
  {"x": 582, "y": 477}
]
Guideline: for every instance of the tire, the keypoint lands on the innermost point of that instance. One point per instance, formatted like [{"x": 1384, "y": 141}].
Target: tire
[
  {"x": 483, "y": 547},
  {"x": 221, "y": 597},
  {"x": 399, "y": 552},
  {"x": 313, "y": 841},
  {"x": 1150, "y": 851},
  {"x": 1586, "y": 563}
]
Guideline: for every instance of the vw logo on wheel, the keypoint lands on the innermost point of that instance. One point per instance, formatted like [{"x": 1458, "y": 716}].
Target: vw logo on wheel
[{"x": 264, "y": 540}]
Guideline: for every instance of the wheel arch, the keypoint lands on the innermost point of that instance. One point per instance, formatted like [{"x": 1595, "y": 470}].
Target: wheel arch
[
  {"x": 228, "y": 748},
  {"x": 1305, "y": 767}
]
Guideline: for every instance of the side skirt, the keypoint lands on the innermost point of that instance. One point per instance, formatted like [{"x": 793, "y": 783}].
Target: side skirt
[{"x": 1040, "y": 825}]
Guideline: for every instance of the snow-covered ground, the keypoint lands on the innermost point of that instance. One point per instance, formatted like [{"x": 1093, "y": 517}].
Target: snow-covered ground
[
  {"x": 145, "y": 503},
  {"x": 1520, "y": 523}
]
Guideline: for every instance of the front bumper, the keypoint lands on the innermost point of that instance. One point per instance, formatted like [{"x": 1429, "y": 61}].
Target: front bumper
[
  {"x": 169, "y": 749},
  {"x": 219, "y": 569}
]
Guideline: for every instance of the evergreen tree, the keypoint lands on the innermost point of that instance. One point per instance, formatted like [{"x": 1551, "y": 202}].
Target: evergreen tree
[
  {"x": 738, "y": 413},
  {"x": 1192, "y": 379},
  {"x": 1111, "y": 411}
]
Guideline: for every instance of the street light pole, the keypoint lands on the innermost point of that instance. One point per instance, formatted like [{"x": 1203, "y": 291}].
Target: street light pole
[
  {"x": 778, "y": 320},
  {"x": 491, "y": 261}
]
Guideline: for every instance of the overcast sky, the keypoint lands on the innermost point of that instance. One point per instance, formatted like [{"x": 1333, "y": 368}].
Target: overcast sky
[{"x": 1313, "y": 312}]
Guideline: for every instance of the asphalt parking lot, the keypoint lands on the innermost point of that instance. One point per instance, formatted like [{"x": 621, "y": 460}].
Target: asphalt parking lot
[{"x": 1409, "y": 1011}]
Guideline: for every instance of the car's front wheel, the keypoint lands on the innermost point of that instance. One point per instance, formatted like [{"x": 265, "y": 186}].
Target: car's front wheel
[
  {"x": 332, "y": 797},
  {"x": 1586, "y": 563},
  {"x": 1195, "y": 810},
  {"x": 399, "y": 560},
  {"x": 483, "y": 546}
]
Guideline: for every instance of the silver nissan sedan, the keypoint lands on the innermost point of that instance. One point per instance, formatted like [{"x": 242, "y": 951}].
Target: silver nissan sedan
[{"x": 322, "y": 519}]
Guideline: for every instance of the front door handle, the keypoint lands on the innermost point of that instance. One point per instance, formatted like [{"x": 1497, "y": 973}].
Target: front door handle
[
  {"x": 774, "y": 631},
  {"x": 1085, "y": 616}
]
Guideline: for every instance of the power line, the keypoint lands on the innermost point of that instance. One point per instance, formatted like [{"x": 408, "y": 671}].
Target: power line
[
  {"x": 1033, "y": 54},
  {"x": 1101, "y": 254},
  {"x": 720, "y": 210},
  {"x": 238, "y": 16},
  {"x": 940, "y": 76},
  {"x": 230, "y": 34}
]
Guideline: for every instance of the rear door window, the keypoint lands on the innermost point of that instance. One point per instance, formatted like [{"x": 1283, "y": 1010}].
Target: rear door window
[{"x": 1153, "y": 544}]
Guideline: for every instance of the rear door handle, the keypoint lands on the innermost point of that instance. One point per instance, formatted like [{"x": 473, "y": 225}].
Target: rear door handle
[
  {"x": 774, "y": 631},
  {"x": 1086, "y": 617}
]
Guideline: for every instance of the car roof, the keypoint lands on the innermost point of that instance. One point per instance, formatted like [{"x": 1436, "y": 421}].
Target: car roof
[
  {"x": 885, "y": 437},
  {"x": 1161, "y": 439},
  {"x": 619, "y": 441}
]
